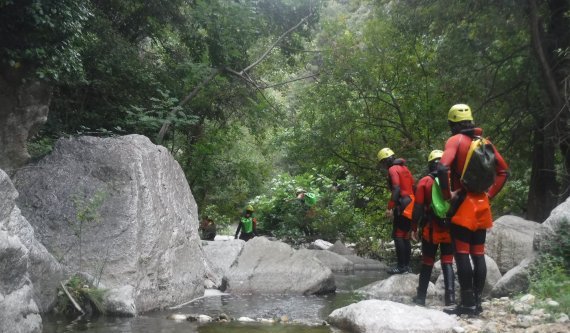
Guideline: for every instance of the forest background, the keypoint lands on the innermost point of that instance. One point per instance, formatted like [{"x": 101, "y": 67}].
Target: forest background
[{"x": 256, "y": 98}]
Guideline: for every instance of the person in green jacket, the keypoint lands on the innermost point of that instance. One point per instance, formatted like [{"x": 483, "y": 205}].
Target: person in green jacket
[{"x": 247, "y": 225}]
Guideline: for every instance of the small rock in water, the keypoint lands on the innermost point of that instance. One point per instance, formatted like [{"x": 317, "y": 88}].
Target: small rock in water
[
  {"x": 283, "y": 319},
  {"x": 177, "y": 316},
  {"x": 266, "y": 321},
  {"x": 245, "y": 319},
  {"x": 224, "y": 316},
  {"x": 204, "y": 318},
  {"x": 458, "y": 329}
]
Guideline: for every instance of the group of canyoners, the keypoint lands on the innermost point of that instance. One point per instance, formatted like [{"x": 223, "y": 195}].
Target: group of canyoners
[{"x": 451, "y": 207}]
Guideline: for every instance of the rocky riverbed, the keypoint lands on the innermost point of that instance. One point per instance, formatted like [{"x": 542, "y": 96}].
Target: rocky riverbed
[{"x": 525, "y": 315}]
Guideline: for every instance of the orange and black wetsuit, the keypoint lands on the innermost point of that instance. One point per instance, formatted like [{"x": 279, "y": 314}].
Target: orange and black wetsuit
[
  {"x": 401, "y": 184},
  {"x": 435, "y": 234},
  {"x": 472, "y": 215}
]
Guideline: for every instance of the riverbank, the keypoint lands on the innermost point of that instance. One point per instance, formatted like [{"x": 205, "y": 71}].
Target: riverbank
[{"x": 523, "y": 314}]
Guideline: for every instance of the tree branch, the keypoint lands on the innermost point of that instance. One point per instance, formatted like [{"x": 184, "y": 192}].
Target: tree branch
[
  {"x": 264, "y": 55},
  {"x": 188, "y": 97}
]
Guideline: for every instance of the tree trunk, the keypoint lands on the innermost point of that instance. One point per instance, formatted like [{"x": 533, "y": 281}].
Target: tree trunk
[
  {"x": 554, "y": 131},
  {"x": 24, "y": 106},
  {"x": 543, "y": 191}
]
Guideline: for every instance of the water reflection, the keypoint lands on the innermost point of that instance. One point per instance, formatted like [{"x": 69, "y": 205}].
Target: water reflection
[{"x": 304, "y": 314}]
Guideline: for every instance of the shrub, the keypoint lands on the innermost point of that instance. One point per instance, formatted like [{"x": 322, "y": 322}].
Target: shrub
[{"x": 90, "y": 299}]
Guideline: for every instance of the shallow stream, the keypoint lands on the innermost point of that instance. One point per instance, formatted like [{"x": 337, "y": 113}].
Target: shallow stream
[{"x": 305, "y": 314}]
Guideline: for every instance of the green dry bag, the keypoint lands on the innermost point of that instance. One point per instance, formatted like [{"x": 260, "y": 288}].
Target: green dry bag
[
  {"x": 310, "y": 199},
  {"x": 439, "y": 205}
]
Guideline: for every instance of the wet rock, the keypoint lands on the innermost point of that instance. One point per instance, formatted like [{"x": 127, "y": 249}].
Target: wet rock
[
  {"x": 400, "y": 288},
  {"x": 220, "y": 255},
  {"x": 177, "y": 317},
  {"x": 121, "y": 301},
  {"x": 266, "y": 267},
  {"x": 372, "y": 316}
]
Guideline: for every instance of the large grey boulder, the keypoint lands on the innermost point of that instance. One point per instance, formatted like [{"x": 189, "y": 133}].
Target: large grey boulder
[
  {"x": 509, "y": 241},
  {"x": 398, "y": 288},
  {"x": 545, "y": 239},
  {"x": 516, "y": 280},
  {"x": 220, "y": 256},
  {"x": 44, "y": 271},
  {"x": 272, "y": 267},
  {"x": 334, "y": 261},
  {"x": 365, "y": 264},
  {"x": 143, "y": 232},
  {"x": 373, "y": 316},
  {"x": 340, "y": 248},
  {"x": 18, "y": 309}
]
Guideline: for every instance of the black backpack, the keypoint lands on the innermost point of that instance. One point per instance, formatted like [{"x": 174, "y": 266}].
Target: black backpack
[{"x": 479, "y": 170}]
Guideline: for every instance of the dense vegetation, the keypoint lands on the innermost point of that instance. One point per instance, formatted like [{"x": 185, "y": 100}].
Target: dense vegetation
[{"x": 256, "y": 98}]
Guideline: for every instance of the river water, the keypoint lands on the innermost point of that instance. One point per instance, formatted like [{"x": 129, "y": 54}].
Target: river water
[{"x": 305, "y": 314}]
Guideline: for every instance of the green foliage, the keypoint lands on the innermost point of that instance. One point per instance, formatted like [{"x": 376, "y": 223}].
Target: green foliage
[
  {"x": 87, "y": 211},
  {"x": 164, "y": 108},
  {"x": 87, "y": 297},
  {"x": 44, "y": 37},
  {"x": 550, "y": 278},
  {"x": 512, "y": 198},
  {"x": 225, "y": 167},
  {"x": 342, "y": 212},
  {"x": 550, "y": 274},
  {"x": 40, "y": 147}
]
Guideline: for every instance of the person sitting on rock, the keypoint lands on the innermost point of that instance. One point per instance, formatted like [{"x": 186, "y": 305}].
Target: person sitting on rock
[
  {"x": 247, "y": 225},
  {"x": 208, "y": 229}
]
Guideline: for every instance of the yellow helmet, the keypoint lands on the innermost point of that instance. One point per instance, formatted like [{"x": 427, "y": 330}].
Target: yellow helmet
[
  {"x": 435, "y": 154},
  {"x": 385, "y": 153},
  {"x": 459, "y": 112},
  {"x": 249, "y": 208}
]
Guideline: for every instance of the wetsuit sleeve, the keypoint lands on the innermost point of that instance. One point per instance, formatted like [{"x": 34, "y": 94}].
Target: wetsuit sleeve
[
  {"x": 502, "y": 170},
  {"x": 444, "y": 165},
  {"x": 238, "y": 229},
  {"x": 395, "y": 181}
]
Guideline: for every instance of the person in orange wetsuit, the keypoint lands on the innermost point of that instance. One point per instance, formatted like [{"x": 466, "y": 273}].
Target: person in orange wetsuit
[
  {"x": 400, "y": 207},
  {"x": 471, "y": 215},
  {"x": 435, "y": 234}
]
